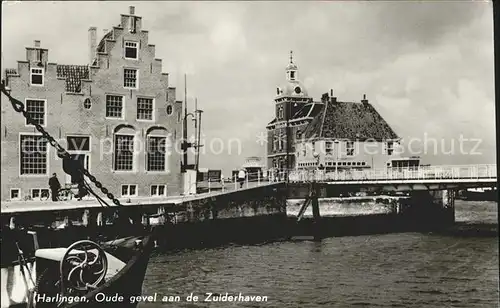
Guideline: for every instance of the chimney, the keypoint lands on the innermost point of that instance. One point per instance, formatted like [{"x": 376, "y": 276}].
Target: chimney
[
  {"x": 364, "y": 100},
  {"x": 92, "y": 44},
  {"x": 131, "y": 10},
  {"x": 324, "y": 97},
  {"x": 37, "y": 44}
]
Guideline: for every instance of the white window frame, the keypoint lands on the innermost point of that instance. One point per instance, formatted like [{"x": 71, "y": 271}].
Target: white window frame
[
  {"x": 328, "y": 148},
  {"x": 42, "y": 74},
  {"x": 106, "y": 106},
  {"x": 347, "y": 148},
  {"x": 47, "y": 169},
  {"x": 136, "y": 78},
  {"x": 166, "y": 156},
  {"x": 44, "y": 110},
  {"x": 153, "y": 118},
  {"x": 136, "y": 47},
  {"x": 134, "y": 155},
  {"x": 389, "y": 148},
  {"x": 128, "y": 190},
  {"x": 157, "y": 186},
  {"x": 39, "y": 193},
  {"x": 19, "y": 197},
  {"x": 280, "y": 142}
]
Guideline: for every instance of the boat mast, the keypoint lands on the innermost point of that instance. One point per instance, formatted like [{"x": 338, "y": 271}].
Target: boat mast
[
  {"x": 198, "y": 138},
  {"x": 184, "y": 130}
]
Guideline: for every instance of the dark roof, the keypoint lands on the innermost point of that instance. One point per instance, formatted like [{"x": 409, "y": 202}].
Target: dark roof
[
  {"x": 307, "y": 110},
  {"x": 74, "y": 75},
  {"x": 346, "y": 120},
  {"x": 303, "y": 112}
]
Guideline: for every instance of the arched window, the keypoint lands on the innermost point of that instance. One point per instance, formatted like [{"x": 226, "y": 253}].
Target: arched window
[
  {"x": 157, "y": 147},
  {"x": 124, "y": 142}
]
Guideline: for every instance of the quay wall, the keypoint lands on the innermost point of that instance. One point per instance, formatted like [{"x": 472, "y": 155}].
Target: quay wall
[{"x": 245, "y": 215}]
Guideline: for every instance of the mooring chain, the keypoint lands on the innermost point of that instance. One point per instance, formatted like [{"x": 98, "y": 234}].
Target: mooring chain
[{"x": 61, "y": 152}]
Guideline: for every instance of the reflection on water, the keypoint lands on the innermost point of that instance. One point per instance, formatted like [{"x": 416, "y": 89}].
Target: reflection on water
[{"x": 390, "y": 270}]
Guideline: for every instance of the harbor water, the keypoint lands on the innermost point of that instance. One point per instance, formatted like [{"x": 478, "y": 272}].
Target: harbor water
[{"x": 388, "y": 270}]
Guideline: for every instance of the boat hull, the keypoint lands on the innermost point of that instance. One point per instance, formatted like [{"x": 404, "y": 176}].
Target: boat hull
[{"x": 126, "y": 283}]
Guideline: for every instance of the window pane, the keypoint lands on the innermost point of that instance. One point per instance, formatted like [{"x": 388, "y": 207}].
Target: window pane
[
  {"x": 33, "y": 149},
  {"x": 144, "y": 108},
  {"x": 114, "y": 106},
  {"x": 153, "y": 190},
  {"x": 131, "y": 50},
  {"x": 130, "y": 78},
  {"x": 36, "y": 109},
  {"x": 156, "y": 154},
  {"x": 161, "y": 190},
  {"x": 14, "y": 193},
  {"x": 132, "y": 190},
  {"x": 35, "y": 193},
  {"x": 36, "y": 79},
  {"x": 124, "y": 190},
  {"x": 124, "y": 152}
]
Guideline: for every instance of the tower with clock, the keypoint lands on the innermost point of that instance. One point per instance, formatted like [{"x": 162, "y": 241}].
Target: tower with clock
[{"x": 291, "y": 98}]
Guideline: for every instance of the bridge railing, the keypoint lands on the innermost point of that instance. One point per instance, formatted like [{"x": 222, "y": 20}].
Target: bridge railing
[{"x": 388, "y": 174}]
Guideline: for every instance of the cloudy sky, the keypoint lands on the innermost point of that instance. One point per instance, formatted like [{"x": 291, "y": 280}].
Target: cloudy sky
[{"x": 427, "y": 67}]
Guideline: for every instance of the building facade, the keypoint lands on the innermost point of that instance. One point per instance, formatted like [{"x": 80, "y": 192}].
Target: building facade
[
  {"x": 117, "y": 115},
  {"x": 329, "y": 133}
]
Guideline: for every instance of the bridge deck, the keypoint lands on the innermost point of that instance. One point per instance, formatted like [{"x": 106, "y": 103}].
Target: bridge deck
[{"x": 38, "y": 206}]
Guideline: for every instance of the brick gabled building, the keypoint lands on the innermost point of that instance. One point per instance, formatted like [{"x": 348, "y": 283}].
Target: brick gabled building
[
  {"x": 116, "y": 114},
  {"x": 329, "y": 133}
]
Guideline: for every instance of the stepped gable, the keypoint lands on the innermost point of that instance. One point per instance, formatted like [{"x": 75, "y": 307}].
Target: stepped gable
[
  {"x": 73, "y": 75},
  {"x": 351, "y": 121}
]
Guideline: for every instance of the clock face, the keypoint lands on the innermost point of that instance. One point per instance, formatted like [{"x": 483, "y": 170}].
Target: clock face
[{"x": 297, "y": 90}]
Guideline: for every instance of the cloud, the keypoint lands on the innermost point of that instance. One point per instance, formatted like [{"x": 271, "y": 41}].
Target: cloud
[{"x": 427, "y": 67}]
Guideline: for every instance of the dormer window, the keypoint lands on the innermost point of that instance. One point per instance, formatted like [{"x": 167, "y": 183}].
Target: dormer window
[
  {"x": 131, "y": 50},
  {"x": 36, "y": 76}
]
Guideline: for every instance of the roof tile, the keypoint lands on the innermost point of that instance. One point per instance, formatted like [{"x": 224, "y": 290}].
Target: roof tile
[
  {"x": 347, "y": 120},
  {"x": 74, "y": 75}
]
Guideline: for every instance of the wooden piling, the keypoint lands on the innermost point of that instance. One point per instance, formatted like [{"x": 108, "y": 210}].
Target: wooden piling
[{"x": 316, "y": 212}]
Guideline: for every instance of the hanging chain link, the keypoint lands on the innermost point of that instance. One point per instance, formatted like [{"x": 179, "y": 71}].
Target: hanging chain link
[{"x": 61, "y": 152}]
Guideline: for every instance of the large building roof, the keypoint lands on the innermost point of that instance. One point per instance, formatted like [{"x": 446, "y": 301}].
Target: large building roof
[{"x": 348, "y": 120}]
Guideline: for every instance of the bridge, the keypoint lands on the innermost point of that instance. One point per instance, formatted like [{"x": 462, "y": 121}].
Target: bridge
[
  {"x": 267, "y": 195},
  {"x": 402, "y": 179}
]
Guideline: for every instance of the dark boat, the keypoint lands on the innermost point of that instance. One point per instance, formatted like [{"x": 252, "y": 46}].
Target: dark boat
[
  {"x": 479, "y": 194},
  {"x": 85, "y": 274}
]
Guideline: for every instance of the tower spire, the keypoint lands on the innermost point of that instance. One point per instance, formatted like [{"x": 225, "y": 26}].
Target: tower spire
[{"x": 291, "y": 56}]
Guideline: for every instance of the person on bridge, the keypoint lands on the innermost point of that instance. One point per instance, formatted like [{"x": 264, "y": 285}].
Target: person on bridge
[
  {"x": 241, "y": 177},
  {"x": 54, "y": 187}
]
